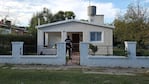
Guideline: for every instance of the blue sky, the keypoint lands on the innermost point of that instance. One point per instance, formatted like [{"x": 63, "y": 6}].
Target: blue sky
[{"x": 21, "y": 11}]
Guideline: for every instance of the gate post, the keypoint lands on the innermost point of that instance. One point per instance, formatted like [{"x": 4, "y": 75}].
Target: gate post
[
  {"x": 17, "y": 51},
  {"x": 61, "y": 52},
  {"x": 83, "y": 53},
  {"x": 130, "y": 47}
]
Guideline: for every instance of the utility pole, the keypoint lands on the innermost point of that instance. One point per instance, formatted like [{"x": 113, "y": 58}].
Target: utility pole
[{"x": 89, "y": 2}]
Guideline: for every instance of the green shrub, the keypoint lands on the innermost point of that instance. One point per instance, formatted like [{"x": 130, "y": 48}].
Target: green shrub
[
  {"x": 142, "y": 52},
  {"x": 93, "y": 48},
  {"x": 119, "y": 52},
  {"x": 30, "y": 43}
]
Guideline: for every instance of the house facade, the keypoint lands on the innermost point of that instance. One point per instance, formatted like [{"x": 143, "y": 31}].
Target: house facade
[
  {"x": 93, "y": 31},
  {"x": 7, "y": 28}
]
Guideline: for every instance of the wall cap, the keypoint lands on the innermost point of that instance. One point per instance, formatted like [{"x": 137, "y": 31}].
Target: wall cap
[
  {"x": 131, "y": 42},
  {"x": 17, "y": 43},
  {"x": 84, "y": 42}
]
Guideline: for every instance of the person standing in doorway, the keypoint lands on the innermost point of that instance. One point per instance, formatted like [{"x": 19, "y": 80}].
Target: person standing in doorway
[{"x": 68, "y": 46}]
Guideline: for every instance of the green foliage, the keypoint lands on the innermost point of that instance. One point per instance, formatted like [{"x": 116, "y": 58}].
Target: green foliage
[
  {"x": 61, "y": 15},
  {"x": 69, "y": 15},
  {"x": 39, "y": 16},
  {"x": 120, "y": 52},
  {"x": 142, "y": 52},
  {"x": 5, "y": 43},
  {"x": 46, "y": 16},
  {"x": 10, "y": 76},
  {"x": 93, "y": 48},
  {"x": 133, "y": 26}
]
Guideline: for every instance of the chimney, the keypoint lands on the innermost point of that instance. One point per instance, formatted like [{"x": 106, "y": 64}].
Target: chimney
[{"x": 93, "y": 18}]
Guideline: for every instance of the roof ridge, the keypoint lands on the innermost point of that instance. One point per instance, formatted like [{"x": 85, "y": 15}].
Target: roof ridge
[{"x": 72, "y": 20}]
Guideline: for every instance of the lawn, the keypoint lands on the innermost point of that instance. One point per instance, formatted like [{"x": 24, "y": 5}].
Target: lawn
[{"x": 9, "y": 76}]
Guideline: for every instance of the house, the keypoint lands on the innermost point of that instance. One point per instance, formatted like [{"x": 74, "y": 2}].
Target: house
[
  {"x": 7, "y": 28},
  {"x": 19, "y": 30},
  {"x": 94, "y": 31}
]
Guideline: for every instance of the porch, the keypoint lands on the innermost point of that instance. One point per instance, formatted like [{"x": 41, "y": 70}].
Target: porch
[{"x": 47, "y": 42}]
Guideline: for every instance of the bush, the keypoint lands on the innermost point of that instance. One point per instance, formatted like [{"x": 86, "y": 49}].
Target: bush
[
  {"x": 119, "y": 52},
  {"x": 142, "y": 52},
  {"x": 27, "y": 39},
  {"x": 93, "y": 48}
]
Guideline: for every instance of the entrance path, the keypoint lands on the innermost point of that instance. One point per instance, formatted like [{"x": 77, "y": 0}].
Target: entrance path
[{"x": 75, "y": 59}]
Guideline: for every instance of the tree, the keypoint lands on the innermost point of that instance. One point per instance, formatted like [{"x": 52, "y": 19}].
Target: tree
[
  {"x": 133, "y": 25},
  {"x": 69, "y": 15},
  {"x": 46, "y": 16},
  {"x": 61, "y": 15}
]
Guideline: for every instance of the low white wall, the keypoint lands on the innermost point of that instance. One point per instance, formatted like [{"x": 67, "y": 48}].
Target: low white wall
[
  {"x": 114, "y": 61},
  {"x": 18, "y": 58}
]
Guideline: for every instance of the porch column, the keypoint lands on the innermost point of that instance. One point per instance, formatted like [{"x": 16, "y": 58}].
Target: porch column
[
  {"x": 46, "y": 39},
  {"x": 63, "y": 35}
]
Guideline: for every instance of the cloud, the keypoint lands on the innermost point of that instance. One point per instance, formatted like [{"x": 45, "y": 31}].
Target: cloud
[
  {"x": 108, "y": 10},
  {"x": 21, "y": 11},
  {"x": 147, "y": 1}
]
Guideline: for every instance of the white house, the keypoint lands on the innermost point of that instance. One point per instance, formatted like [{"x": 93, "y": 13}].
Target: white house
[{"x": 94, "y": 31}]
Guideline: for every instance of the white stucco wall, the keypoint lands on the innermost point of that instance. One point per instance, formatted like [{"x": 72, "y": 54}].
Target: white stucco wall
[
  {"x": 40, "y": 37},
  {"x": 18, "y": 58},
  {"x": 97, "y": 19},
  {"x": 114, "y": 61},
  {"x": 53, "y": 38},
  {"x": 79, "y": 27}
]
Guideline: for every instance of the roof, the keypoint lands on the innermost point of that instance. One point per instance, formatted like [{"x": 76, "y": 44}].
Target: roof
[
  {"x": 19, "y": 28},
  {"x": 68, "y": 21},
  {"x": 4, "y": 26}
]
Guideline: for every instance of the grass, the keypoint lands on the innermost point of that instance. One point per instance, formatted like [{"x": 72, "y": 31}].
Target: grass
[{"x": 9, "y": 76}]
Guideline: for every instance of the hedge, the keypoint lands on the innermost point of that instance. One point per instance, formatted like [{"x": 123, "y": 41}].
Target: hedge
[{"x": 5, "y": 40}]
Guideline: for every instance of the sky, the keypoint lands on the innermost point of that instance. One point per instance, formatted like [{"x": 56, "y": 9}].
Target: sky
[{"x": 21, "y": 11}]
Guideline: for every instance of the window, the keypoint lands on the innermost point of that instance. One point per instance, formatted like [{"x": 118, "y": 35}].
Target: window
[{"x": 95, "y": 36}]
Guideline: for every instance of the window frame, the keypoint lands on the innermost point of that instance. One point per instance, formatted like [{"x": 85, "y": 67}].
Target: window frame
[{"x": 102, "y": 36}]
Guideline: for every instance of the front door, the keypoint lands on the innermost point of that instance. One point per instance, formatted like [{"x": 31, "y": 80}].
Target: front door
[{"x": 75, "y": 42}]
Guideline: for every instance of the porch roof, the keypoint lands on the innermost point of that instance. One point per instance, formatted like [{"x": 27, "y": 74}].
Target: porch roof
[{"x": 68, "y": 21}]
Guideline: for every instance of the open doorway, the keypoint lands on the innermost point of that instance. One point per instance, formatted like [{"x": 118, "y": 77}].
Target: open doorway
[
  {"x": 76, "y": 38},
  {"x": 75, "y": 42}
]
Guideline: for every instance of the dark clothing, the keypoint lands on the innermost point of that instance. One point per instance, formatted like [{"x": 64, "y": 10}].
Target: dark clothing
[
  {"x": 68, "y": 47},
  {"x": 69, "y": 52}
]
